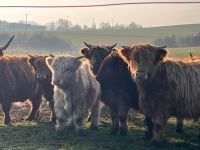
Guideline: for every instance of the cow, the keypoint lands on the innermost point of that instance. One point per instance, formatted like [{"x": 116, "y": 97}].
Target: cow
[
  {"x": 44, "y": 77},
  {"x": 96, "y": 54},
  {"x": 2, "y": 48},
  {"x": 167, "y": 87},
  {"x": 18, "y": 83},
  {"x": 118, "y": 91},
  {"x": 76, "y": 92}
]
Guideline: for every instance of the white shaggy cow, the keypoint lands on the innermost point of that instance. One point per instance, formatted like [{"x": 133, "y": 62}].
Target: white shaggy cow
[{"x": 76, "y": 92}]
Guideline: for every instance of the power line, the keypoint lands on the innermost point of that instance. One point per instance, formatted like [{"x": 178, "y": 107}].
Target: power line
[{"x": 99, "y": 5}]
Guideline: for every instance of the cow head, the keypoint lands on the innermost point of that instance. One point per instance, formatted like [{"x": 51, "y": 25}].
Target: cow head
[
  {"x": 5, "y": 46},
  {"x": 41, "y": 69},
  {"x": 64, "y": 70},
  {"x": 96, "y": 54},
  {"x": 143, "y": 60}
]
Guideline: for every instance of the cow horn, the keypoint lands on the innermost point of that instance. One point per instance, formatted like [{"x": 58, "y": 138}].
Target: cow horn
[
  {"x": 162, "y": 47},
  {"x": 111, "y": 47},
  {"x": 79, "y": 57},
  {"x": 7, "y": 44},
  {"x": 191, "y": 55},
  {"x": 88, "y": 45},
  {"x": 51, "y": 55},
  {"x": 125, "y": 46}
]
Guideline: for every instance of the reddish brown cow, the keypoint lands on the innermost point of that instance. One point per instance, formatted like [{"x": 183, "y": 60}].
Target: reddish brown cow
[
  {"x": 17, "y": 84},
  {"x": 44, "y": 77},
  {"x": 167, "y": 87}
]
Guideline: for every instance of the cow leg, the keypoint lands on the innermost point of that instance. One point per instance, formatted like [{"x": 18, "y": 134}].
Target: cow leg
[
  {"x": 123, "y": 118},
  {"x": 51, "y": 105},
  {"x": 179, "y": 125},
  {"x": 48, "y": 94},
  {"x": 78, "y": 125},
  {"x": 60, "y": 125},
  {"x": 115, "y": 122},
  {"x": 95, "y": 114},
  {"x": 6, "y": 109},
  {"x": 158, "y": 126},
  {"x": 149, "y": 124},
  {"x": 35, "y": 108}
]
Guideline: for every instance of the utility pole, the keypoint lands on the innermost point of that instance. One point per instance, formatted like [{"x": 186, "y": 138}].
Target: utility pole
[
  {"x": 26, "y": 22},
  {"x": 93, "y": 24},
  {"x": 67, "y": 22},
  {"x": 112, "y": 23}
]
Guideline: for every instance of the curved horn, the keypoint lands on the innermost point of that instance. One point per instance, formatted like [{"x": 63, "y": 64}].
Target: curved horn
[
  {"x": 51, "y": 55},
  {"x": 88, "y": 45},
  {"x": 79, "y": 57},
  {"x": 7, "y": 44},
  {"x": 161, "y": 47},
  {"x": 191, "y": 56},
  {"x": 125, "y": 46},
  {"x": 111, "y": 47}
]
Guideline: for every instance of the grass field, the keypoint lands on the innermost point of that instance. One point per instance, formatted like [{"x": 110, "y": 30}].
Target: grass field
[
  {"x": 22, "y": 135},
  {"x": 40, "y": 134}
]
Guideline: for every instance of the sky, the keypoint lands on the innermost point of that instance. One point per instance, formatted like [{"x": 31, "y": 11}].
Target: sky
[{"x": 146, "y": 15}]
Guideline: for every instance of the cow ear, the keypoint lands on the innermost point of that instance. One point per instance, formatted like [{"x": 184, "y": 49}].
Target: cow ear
[
  {"x": 30, "y": 59},
  {"x": 125, "y": 54},
  {"x": 85, "y": 52},
  {"x": 115, "y": 50},
  {"x": 161, "y": 54},
  {"x": 49, "y": 61}
]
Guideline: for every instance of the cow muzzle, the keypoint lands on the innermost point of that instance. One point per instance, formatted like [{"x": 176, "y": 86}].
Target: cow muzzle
[
  {"x": 58, "y": 83},
  {"x": 41, "y": 77},
  {"x": 141, "y": 75}
]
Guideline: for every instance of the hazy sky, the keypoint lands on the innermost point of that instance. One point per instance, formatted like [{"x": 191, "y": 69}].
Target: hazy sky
[{"x": 146, "y": 15}]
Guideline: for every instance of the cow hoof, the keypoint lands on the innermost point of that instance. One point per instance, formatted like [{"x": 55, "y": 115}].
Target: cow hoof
[
  {"x": 59, "y": 131},
  {"x": 179, "y": 131},
  {"x": 148, "y": 135},
  {"x": 80, "y": 133},
  {"x": 114, "y": 132},
  {"x": 7, "y": 122},
  {"x": 53, "y": 120},
  {"x": 123, "y": 132},
  {"x": 94, "y": 127}
]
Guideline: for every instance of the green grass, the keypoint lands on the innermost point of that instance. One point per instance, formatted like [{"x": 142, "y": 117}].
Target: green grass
[{"x": 22, "y": 135}]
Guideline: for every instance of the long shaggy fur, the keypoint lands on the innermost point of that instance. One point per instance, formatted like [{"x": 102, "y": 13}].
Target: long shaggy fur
[
  {"x": 167, "y": 87},
  {"x": 76, "y": 93},
  {"x": 18, "y": 83}
]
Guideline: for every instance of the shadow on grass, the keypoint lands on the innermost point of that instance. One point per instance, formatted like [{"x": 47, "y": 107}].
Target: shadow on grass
[{"x": 35, "y": 135}]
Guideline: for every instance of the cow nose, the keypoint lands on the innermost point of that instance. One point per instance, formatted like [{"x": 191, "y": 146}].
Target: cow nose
[
  {"x": 58, "y": 82},
  {"x": 41, "y": 77},
  {"x": 141, "y": 75}
]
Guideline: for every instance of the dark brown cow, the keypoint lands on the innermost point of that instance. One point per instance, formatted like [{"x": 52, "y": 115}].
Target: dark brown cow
[
  {"x": 167, "y": 87},
  {"x": 17, "y": 84},
  {"x": 44, "y": 77},
  {"x": 96, "y": 54},
  {"x": 5, "y": 46},
  {"x": 118, "y": 91}
]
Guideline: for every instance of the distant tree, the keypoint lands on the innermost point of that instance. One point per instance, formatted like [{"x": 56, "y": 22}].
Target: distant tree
[
  {"x": 76, "y": 27},
  {"x": 94, "y": 26},
  {"x": 85, "y": 27},
  {"x": 133, "y": 25},
  {"x": 105, "y": 25},
  {"x": 50, "y": 26}
]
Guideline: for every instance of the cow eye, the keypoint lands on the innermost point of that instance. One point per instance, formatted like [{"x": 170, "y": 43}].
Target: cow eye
[{"x": 136, "y": 57}]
